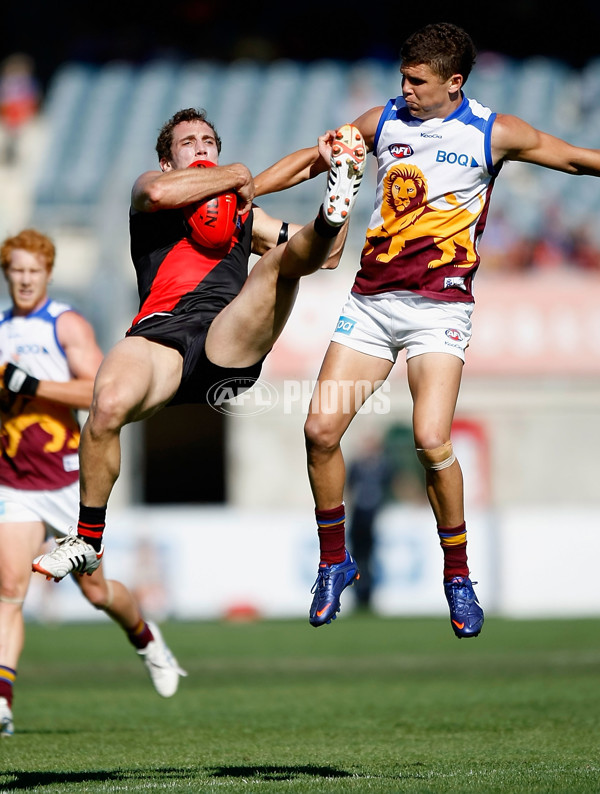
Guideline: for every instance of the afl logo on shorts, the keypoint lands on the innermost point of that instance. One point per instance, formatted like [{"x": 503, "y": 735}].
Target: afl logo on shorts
[
  {"x": 400, "y": 150},
  {"x": 453, "y": 334}
]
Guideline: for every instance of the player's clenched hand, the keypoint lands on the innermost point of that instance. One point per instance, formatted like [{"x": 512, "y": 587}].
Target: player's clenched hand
[
  {"x": 244, "y": 187},
  {"x": 17, "y": 381},
  {"x": 325, "y": 143}
]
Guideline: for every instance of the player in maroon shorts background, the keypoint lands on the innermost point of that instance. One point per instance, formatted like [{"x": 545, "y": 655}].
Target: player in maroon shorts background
[{"x": 48, "y": 360}]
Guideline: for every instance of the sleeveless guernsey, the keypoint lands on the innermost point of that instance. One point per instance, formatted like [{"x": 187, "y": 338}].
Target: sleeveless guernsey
[
  {"x": 38, "y": 439},
  {"x": 434, "y": 183}
]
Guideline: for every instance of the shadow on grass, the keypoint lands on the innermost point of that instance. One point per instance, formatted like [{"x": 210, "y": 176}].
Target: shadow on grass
[
  {"x": 24, "y": 781},
  {"x": 277, "y": 772}
]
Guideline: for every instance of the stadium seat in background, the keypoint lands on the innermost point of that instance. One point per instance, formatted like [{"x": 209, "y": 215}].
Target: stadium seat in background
[
  {"x": 198, "y": 84},
  {"x": 316, "y": 106},
  {"x": 137, "y": 127},
  {"x": 546, "y": 94},
  {"x": 64, "y": 104},
  {"x": 590, "y": 87},
  {"x": 233, "y": 110},
  {"x": 492, "y": 80},
  {"x": 98, "y": 131},
  {"x": 270, "y": 127}
]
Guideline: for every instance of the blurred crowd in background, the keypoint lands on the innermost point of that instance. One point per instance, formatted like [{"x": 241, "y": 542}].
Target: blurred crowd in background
[
  {"x": 554, "y": 245},
  {"x": 554, "y": 242}
]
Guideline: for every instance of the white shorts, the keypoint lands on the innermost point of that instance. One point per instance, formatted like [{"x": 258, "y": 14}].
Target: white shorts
[
  {"x": 382, "y": 325},
  {"x": 57, "y": 510}
]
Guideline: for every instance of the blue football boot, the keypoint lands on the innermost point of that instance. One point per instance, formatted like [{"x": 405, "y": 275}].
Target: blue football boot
[
  {"x": 466, "y": 616},
  {"x": 331, "y": 581}
]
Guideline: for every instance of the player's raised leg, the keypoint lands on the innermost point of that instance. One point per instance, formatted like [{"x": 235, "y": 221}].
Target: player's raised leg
[{"x": 263, "y": 306}]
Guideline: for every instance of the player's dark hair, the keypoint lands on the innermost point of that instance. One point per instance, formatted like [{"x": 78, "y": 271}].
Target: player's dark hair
[
  {"x": 444, "y": 47},
  {"x": 165, "y": 136}
]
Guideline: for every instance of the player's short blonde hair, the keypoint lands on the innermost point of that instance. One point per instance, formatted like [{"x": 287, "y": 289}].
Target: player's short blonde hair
[{"x": 29, "y": 240}]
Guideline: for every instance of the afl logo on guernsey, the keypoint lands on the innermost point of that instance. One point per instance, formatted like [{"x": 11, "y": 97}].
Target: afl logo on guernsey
[{"x": 400, "y": 150}]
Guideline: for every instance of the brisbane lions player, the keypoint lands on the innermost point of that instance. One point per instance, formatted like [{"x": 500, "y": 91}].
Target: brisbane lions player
[
  {"x": 48, "y": 360},
  {"x": 438, "y": 155}
]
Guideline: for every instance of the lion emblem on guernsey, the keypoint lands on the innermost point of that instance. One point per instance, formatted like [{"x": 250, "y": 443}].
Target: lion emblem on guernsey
[
  {"x": 61, "y": 434},
  {"x": 406, "y": 216}
]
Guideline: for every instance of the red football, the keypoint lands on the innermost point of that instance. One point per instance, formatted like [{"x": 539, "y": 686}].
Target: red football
[{"x": 212, "y": 221}]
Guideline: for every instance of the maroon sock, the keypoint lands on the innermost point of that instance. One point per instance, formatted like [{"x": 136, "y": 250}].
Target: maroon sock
[
  {"x": 332, "y": 534},
  {"x": 141, "y": 635},
  {"x": 453, "y": 541},
  {"x": 7, "y": 679}
]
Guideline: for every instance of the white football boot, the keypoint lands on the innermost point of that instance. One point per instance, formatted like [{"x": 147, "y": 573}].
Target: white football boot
[
  {"x": 6, "y": 719},
  {"x": 71, "y": 555},
  {"x": 348, "y": 161},
  {"x": 162, "y": 666}
]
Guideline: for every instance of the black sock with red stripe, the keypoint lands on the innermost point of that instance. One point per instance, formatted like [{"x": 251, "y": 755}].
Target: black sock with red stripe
[{"x": 90, "y": 526}]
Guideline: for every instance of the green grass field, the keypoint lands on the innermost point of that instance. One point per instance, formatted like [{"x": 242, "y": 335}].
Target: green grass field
[{"x": 365, "y": 704}]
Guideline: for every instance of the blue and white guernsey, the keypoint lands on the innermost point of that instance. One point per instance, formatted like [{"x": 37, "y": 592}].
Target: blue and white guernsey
[
  {"x": 38, "y": 439},
  {"x": 434, "y": 182}
]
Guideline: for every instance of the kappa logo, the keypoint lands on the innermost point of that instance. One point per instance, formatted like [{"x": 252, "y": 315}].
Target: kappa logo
[
  {"x": 345, "y": 325},
  {"x": 400, "y": 150}
]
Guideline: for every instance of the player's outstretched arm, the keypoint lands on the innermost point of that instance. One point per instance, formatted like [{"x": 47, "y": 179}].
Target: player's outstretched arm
[
  {"x": 291, "y": 170},
  {"x": 515, "y": 139}
]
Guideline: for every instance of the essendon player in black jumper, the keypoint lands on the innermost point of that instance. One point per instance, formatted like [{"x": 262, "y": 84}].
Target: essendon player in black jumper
[
  {"x": 202, "y": 317},
  {"x": 182, "y": 287}
]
